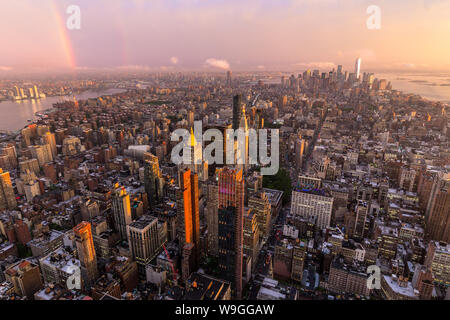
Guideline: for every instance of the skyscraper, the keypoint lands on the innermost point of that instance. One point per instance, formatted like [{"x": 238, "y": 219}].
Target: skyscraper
[
  {"x": 212, "y": 217},
  {"x": 251, "y": 235},
  {"x": 49, "y": 138},
  {"x": 314, "y": 204},
  {"x": 299, "y": 152},
  {"x": 259, "y": 203},
  {"x": 10, "y": 150},
  {"x": 229, "y": 78},
  {"x": 361, "y": 216},
  {"x": 241, "y": 151},
  {"x": 7, "y": 196},
  {"x": 437, "y": 214},
  {"x": 230, "y": 230},
  {"x": 121, "y": 210},
  {"x": 237, "y": 111},
  {"x": 196, "y": 156},
  {"x": 189, "y": 215},
  {"x": 36, "y": 92},
  {"x": 188, "y": 262},
  {"x": 339, "y": 72},
  {"x": 86, "y": 253},
  {"x": 143, "y": 241},
  {"x": 153, "y": 179},
  {"x": 358, "y": 68}
]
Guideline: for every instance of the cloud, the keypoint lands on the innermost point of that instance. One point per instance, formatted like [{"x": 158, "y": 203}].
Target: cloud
[
  {"x": 174, "y": 60},
  {"x": 3, "y": 68},
  {"x": 317, "y": 65},
  {"x": 217, "y": 63},
  {"x": 261, "y": 67}
]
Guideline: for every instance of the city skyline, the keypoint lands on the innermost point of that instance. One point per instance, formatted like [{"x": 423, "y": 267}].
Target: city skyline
[
  {"x": 285, "y": 35},
  {"x": 242, "y": 151}
]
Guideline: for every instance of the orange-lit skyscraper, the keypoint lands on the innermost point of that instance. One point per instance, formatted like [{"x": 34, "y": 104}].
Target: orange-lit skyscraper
[
  {"x": 190, "y": 218},
  {"x": 86, "y": 253},
  {"x": 231, "y": 213},
  {"x": 49, "y": 138},
  {"x": 7, "y": 196},
  {"x": 122, "y": 210}
]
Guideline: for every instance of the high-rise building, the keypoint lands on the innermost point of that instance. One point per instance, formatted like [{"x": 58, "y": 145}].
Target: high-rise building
[
  {"x": 230, "y": 229},
  {"x": 7, "y": 196},
  {"x": 42, "y": 153},
  {"x": 212, "y": 223},
  {"x": 251, "y": 235},
  {"x": 423, "y": 282},
  {"x": 10, "y": 150},
  {"x": 437, "y": 214},
  {"x": 32, "y": 189},
  {"x": 188, "y": 262},
  {"x": 348, "y": 278},
  {"x": 86, "y": 253},
  {"x": 299, "y": 152},
  {"x": 121, "y": 210},
  {"x": 282, "y": 102},
  {"x": 339, "y": 72},
  {"x": 259, "y": 203},
  {"x": 361, "y": 216},
  {"x": 237, "y": 111},
  {"x": 71, "y": 146},
  {"x": 17, "y": 91},
  {"x": 229, "y": 81},
  {"x": 358, "y": 68},
  {"x": 438, "y": 260},
  {"x": 298, "y": 263},
  {"x": 189, "y": 220},
  {"x": 196, "y": 156},
  {"x": 25, "y": 277},
  {"x": 49, "y": 138},
  {"x": 313, "y": 203},
  {"x": 36, "y": 92},
  {"x": 190, "y": 118},
  {"x": 153, "y": 179},
  {"x": 243, "y": 125},
  {"x": 143, "y": 241}
]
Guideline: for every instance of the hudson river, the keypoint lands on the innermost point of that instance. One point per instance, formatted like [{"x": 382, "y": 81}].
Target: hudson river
[
  {"x": 14, "y": 115},
  {"x": 430, "y": 86}
]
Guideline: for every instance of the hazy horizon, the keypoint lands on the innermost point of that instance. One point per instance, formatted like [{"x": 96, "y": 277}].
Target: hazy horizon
[{"x": 219, "y": 35}]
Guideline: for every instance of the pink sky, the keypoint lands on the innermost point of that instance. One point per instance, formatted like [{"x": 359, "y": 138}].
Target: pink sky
[{"x": 219, "y": 34}]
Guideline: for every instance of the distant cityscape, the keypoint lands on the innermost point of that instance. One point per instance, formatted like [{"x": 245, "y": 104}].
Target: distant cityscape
[{"x": 92, "y": 207}]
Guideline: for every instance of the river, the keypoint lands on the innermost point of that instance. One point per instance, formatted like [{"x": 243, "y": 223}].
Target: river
[
  {"x": 431, "y": 86},
  {"x": 14, "y": 115}
]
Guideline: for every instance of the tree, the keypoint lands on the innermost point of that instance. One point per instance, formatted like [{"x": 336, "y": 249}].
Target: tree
[
  {"x": 280, "y": 181},
  {"x": 23, "y": 251}
]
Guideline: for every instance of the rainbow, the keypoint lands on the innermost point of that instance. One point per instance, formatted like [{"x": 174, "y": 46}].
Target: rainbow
[{"x": 64, "y": 36}]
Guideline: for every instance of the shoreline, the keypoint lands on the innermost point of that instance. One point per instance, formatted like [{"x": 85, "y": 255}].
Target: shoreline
[{"x": 26, "y": 109}]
